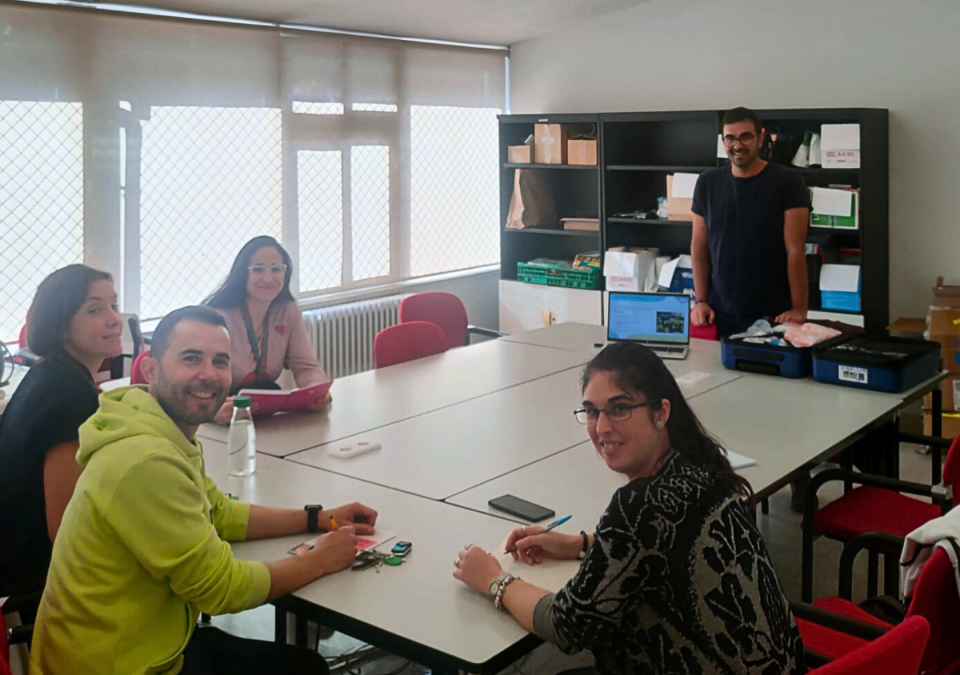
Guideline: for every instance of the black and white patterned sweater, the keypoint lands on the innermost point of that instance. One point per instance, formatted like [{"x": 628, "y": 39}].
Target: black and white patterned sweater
[{"x": 677, "y": 581}]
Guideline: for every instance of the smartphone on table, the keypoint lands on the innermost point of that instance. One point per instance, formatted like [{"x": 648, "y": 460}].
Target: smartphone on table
[{"x": 521, "y": 508}]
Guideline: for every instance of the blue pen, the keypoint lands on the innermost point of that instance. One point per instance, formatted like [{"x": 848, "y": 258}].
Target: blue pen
[{"x": 558, "y": 522}]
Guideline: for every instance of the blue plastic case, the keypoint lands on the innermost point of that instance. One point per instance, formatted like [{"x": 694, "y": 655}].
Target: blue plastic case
[
  {"x": 870, "y": 362},
  {"x": 789, "y": 362}
]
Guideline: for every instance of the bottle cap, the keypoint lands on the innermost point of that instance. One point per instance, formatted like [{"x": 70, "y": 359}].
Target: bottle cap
[{"x": 241, "y": 402}]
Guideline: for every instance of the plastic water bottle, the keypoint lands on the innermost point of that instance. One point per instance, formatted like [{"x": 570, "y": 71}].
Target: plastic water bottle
[{"x": 241, "y": 439}]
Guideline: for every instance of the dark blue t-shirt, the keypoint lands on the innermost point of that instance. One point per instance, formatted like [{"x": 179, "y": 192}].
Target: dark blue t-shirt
[{"x": 748, "y": 255}]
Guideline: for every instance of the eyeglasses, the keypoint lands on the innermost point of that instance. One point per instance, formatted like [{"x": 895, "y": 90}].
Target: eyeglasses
[
  {"x": 744, "y": 139},
  {"x": 262, "y": 270},
  {"x": 618, "y": 412}
]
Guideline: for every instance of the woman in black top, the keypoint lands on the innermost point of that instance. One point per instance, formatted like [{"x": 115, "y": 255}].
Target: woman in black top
[
  {"x": 676, "y": 578},
  {"x": 73, "y": 325}
]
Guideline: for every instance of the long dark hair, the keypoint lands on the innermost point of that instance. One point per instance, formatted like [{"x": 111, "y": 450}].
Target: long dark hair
[
  {"x": 59, "y": 297},
  {"x": 637, "y": 370},
  {"x": 233, "y": 292}
]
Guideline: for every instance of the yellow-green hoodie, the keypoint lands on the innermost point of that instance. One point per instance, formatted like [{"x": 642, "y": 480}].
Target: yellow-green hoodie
[{"x": 141, "y": 550}]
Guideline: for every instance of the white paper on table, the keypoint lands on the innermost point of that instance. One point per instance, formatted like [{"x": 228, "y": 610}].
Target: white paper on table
[
  {"x": 843, "y": 278},
  {"x": 738, "y": 461},
  {"x": 693, "y": 377},
  {"x": 365, "y": 542},
  {"x": 620, "y": 264},
  {"x": 683, "y": 184},
  {"x": 832, "y": 202}
]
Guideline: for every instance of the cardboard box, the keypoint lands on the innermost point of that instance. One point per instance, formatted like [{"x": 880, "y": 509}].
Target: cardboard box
[
  {"x": 581, "y": 224},
  {"x": 840, "y": 288},
  {"x": 582, "y": 152},
  {"x": 951, "y": 424},
  {"x": 519, "y": 154},
  {"x": 678, "y": 208},
  {"x": 550, "y": 144},
  {"x": 945, "y": 296},
  {"x": 908, "y": 328},
  {"x": 629, "y": 271},
  {"x": 940, "y": 327},
  {"x": 951, "y": 395},
  {"x": 840, "y": 146}
]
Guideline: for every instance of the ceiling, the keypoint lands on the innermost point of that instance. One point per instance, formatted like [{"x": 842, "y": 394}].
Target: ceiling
[{"x": 500, "y": 22}]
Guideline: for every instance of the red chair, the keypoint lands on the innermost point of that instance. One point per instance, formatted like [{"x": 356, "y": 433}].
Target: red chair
[
  {"x": 705, "y": 332},
  {"x": 406, "y": 342},
  {"x": 136, "y": 372},
  {"x": 825, "y": 627},
  {"x": 877, "y": 505},
  {"x": 898, "y": 652},
  {"x": 445, "y": 310}
]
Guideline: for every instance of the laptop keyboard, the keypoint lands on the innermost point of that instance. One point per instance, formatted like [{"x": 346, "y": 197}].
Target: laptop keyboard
[{"x": 669, "y": 350}]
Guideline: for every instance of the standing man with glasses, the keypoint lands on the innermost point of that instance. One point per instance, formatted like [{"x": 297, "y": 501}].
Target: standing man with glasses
[{"x": 749, "y": 233}]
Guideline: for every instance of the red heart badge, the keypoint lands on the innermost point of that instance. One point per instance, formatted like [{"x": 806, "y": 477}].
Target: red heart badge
[{"x": 281, "y": 329}]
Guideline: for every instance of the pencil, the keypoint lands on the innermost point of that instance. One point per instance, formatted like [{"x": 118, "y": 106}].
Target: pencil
[
  {"x": 333, "y": 522},
  {"x": 556, "y": 523}
]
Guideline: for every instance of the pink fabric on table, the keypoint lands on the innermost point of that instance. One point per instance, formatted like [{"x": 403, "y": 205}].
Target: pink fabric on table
[{"x": 288, "y": 348}]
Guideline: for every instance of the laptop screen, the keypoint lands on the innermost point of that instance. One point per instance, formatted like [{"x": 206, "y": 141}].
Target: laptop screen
[{"x": 649, "y": 317}]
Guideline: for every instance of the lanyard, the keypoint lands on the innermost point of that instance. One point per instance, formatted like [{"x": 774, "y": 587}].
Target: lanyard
[{"x": 259, "y": 353}]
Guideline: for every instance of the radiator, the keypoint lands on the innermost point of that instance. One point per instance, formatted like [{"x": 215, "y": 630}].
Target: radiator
[{"x": 342, "y": 335}]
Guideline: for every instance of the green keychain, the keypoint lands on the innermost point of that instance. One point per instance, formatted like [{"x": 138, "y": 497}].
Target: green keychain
[{"x": 393, "y": 560}]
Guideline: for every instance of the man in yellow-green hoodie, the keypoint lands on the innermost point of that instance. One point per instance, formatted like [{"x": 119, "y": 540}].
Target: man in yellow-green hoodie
[{"x": 142, "y": 549}]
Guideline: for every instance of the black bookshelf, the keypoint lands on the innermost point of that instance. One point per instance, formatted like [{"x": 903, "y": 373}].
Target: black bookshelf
[{"x": 636, "y": 151}]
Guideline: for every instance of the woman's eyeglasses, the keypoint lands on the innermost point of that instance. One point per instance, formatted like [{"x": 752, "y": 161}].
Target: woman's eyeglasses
[
  {"x": 263, "y": 270},
  {"x": 618, "y": 412}
]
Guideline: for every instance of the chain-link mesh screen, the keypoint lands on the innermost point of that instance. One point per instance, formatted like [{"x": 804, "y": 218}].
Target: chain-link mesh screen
[
  {"x": 370, "y": 207},
  {"x": 374, "y": 107},
  {"x": 454, "y": 188},
  {"x": 307, "y": 108},
  {"x": 320, "y": 207},
  {"x": 210, "y": 181},
  {"x": 41, "y": 200}
]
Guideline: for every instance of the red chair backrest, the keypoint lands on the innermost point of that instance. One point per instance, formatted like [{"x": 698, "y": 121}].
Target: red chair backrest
[
  {"x": 951, "y": 469},
  {"x": 136, "y": 373},
  {"x": 4, "y": 648},
  {"x": 444, "y": 309},
  {"x": 23, "y": 337},
  {"x": 937, "y": 600},
  {"x": 897, "y": 652},
  {"x": 406, "y": 342}
]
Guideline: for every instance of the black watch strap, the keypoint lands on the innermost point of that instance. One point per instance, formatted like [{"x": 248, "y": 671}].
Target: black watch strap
[
  {"x": 313, "y": 514},
  {"x": 585, "y": 547}
]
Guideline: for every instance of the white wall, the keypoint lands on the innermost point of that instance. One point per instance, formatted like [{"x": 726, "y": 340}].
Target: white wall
[{"x": 717, "y": 54}]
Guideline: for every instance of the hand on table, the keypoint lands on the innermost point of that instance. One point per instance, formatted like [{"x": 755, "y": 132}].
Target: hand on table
[
  {"x": 476, "y": 568},
  {"x": 797, "y": 316},
  {"x": 361, "y": 518},
  {"x": 335, "y": 551},
  {"x": 533, "y": 546},
  {"x": 321, "y": 405},
  {"x": 702, "y": 314}
]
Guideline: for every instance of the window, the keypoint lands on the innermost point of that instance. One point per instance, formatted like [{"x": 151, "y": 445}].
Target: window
[
  {"x": 174, "y": 142},
  {"x": 41, "y": 200},
  {"x": 210, "y": 180}
]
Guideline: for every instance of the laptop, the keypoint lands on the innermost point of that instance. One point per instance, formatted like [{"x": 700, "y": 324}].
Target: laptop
[{"x": 661, "y": 321}]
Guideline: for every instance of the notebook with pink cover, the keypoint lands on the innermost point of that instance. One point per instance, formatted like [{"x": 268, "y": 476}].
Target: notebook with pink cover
[{"x": 270, "y": 402}]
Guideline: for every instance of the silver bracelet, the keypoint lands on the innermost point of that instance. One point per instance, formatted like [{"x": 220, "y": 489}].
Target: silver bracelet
[{"x": 502, "y": 584}]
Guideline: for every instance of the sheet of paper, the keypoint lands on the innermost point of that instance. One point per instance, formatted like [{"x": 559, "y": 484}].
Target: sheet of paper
[
  {"x": 693, "y": 378},
  {"x": 666, "y": 274},
  {"x": 683, "y": 184},
  {"x": 364, "y": 543},
  {"x": 738, "y": 461},
  {"x": 832, "y": 202},
  {"x": 844, "y": 278}
]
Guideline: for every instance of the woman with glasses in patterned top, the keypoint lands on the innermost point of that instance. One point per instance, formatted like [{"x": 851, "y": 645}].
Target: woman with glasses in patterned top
[
  {"x": 267, "y": 333},
  {"x": 675, "y": 577}
]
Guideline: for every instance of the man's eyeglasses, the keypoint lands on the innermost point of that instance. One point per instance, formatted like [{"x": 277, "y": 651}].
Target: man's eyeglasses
[
  {"x": 262, "y": 270},
  {"x": 744, "y": 139},
  {"x": 618, "y": 412}
]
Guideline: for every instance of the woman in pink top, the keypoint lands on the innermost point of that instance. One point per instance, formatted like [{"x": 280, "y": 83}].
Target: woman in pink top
[{"x": 266, "y": 329}]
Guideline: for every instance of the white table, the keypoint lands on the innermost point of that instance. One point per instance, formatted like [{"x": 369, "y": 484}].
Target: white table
[
  {"x": 417, "y": 610},
  {"x": 376, "y": 398}
]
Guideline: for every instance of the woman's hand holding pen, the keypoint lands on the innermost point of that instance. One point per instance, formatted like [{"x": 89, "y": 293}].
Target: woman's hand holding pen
[{"x": 533, "y": 545}]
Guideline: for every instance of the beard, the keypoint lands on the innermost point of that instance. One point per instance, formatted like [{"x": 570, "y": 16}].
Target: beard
[{"x": 181, "y": 405}]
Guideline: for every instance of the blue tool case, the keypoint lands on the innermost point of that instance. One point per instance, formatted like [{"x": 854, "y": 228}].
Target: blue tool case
[
  {"x": 785, "y": 361},
  {"x": 878, "y": 363}
]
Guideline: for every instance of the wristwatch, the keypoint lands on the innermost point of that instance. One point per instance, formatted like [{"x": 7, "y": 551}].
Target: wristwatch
[
  {"x": 313, "y": 513},
  {"x": 582, "y": 555},
  {"x": 499, "y": 585}
]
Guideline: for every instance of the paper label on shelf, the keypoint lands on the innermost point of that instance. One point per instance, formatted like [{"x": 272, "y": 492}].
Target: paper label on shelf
[
  {"x": 832, "y": 202},
  {"x": 851, "y": 374},
  {"x": 683, "y": 185}
]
